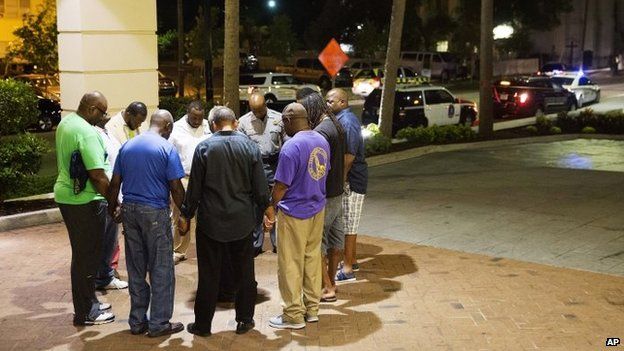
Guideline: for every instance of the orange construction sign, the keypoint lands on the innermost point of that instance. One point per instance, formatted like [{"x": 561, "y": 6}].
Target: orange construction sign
[{"x": 333, "y": 58}]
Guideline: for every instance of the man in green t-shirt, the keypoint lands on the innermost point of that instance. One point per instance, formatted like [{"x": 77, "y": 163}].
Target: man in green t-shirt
[{"x": 84, "y": 211}]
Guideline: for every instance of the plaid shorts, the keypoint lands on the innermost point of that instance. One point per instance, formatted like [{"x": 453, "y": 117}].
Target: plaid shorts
[{"x": 351, "y": 210}]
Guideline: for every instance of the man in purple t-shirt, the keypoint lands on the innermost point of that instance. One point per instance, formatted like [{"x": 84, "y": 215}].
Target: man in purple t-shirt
[{"x": 299, "y": 195}]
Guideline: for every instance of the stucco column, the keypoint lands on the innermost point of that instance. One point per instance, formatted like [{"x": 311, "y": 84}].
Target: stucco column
[{"x": 110, "y": 46}]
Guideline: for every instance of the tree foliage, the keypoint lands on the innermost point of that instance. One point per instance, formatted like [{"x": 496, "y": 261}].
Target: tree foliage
[
  {"x": 280, "y": 40},
  {"x": 37, "y": 39}
]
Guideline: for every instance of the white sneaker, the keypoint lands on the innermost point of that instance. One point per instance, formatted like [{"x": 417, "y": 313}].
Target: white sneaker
[
  {"x": 103, "y": 318},
  {"x": 311, "y": 319},
  {"x": 279, "y": 323},
  {"x": 105, "y": 306},
  {"x": 115, "y": 284}
]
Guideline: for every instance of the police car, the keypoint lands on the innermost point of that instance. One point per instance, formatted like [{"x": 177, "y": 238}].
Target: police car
[
  {"x": 276, "y": 87},
  {"x": 583, "y": 88},
  {"x": 366, "y": 80},
  {"x": 421, "y": 105}
]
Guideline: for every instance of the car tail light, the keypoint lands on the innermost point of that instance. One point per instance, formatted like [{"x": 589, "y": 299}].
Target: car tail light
[{"x": 524, "y": 97}]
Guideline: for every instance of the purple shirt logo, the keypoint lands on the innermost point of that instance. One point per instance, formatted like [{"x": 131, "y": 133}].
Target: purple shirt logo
[{"x": 317, "y": 163}]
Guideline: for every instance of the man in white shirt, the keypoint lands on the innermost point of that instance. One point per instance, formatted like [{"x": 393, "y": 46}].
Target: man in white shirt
[
  {"x": 188, "y": 131},
  {"x": 128, "y": 123},
  {"x": 106, "y": 277}
]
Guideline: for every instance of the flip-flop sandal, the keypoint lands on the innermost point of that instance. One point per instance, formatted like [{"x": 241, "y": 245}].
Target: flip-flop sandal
[{"x": 329, "y": 299}]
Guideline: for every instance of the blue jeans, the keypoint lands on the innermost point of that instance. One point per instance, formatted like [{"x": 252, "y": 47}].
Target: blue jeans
[
  {"x": 258, "y": 237},
  {"x": 105, "y": 272},
  {"x": 149, "y": 249}
]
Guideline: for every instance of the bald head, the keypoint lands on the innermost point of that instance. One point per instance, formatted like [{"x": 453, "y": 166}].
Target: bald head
[
  {"x": 337, "y": 100},
  {"x": 161, "y": 122},
  {"x": 257, "y": 105},
  {"x": 93, "y": 107},
  {"x": 295, "y": 118}
]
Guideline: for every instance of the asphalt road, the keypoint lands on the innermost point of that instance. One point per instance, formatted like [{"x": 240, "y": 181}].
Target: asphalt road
[{"x": 557, "y": 203}]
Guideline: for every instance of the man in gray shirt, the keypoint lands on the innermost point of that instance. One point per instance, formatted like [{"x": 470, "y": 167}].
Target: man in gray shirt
[{"x": 264, "y": 126}]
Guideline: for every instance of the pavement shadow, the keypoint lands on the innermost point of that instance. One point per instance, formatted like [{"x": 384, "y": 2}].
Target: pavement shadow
[
  {"x": 49, "y": 317},
  {"x": 341, "y": 321}
]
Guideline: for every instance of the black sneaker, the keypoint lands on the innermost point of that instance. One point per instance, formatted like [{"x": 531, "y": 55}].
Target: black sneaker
[
  {"x": 193, "y": 330},
  {"x": 173, "y": 328},
  {"x": 243, "y": 327}
]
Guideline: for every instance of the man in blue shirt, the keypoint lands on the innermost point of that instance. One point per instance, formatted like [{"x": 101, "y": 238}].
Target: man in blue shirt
[
  {"x": 148, "y": 169},
  {"x": 356, "y": 172}
]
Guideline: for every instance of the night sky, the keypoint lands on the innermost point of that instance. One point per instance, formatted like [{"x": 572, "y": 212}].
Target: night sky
[{"x": 302, "y": 12}]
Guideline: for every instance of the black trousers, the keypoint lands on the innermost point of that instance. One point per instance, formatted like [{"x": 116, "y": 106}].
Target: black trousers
[
  {"x": 210, "y": 255},
  {"x": 85, "y": 226}
]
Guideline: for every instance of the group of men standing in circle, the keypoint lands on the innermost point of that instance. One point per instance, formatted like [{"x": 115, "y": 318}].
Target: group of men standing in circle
[{"x": 300, "y": 176}]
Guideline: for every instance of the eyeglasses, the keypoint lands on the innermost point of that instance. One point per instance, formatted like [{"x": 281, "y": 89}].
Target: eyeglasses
[{"x": 104, "y": 113}]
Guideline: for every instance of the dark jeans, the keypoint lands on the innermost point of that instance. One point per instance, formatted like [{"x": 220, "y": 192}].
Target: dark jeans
[
  {"x": 258, "y": 233},
  {"x": 85, "y": 225},
  {"x": 105, "y": 272},
  {"x": 149, "y": 249},
  {"x": 209, "y": 260}
]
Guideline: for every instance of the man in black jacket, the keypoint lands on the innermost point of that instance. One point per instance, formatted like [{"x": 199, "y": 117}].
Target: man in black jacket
[{"x": 227, "y": 181}]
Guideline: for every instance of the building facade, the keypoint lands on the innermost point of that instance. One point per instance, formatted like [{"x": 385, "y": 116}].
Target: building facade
[
  {"x": 11, "y": 13},
  {"x": 590, "y": 35}
]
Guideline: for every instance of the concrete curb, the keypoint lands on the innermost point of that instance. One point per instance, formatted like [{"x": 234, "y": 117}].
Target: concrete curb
[{"x": 29, "y": 219}]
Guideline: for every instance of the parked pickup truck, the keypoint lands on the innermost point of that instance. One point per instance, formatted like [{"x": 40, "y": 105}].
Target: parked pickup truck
[
  {"x": 310, "y": 70},
  {"x": 531, "y": 96}
]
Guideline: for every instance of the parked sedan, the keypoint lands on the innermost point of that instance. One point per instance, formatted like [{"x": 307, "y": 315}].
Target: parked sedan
[
  {"x": 585, "y": 90},
  {"x": 421, "y": 105},
  {"x": 276, "y": 87}
]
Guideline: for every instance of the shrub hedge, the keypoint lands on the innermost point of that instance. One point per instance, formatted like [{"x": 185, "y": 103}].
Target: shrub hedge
[
  {"x": 20, "y": 157},
  {"x": 18, "y": 107}
]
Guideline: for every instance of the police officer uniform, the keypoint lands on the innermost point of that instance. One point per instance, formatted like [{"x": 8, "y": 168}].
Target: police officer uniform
[{"x": 269, "y": 135}]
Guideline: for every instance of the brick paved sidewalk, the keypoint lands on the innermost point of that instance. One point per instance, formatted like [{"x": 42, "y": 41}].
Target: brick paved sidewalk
[{"x": 407, "y": 297}]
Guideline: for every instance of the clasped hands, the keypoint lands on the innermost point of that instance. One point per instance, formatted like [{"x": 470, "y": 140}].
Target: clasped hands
[{"x": 269, "y": 218}]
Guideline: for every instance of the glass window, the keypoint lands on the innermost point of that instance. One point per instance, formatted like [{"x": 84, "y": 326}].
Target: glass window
[
  {"x": 427, "y": 61},
  {"x": 438, "y": 97},
  {"x": 11, "y": 9},
  {"x": 284, "y": 80},
  {"x": 409, "y": 72},
  {"x": 539, "y": 83},
  {"x": 317, "y": 65},
  {"x": 420, "y": 57},
  {"x": 410, "y": 98},
  {"x": 437, "y": 58},
  {"x": 251, "y": 80},
  {"x": 365, "y": 73},
  {"x": 409, "y": 56},
  {"x": 563, "y": 81},
  {"x": 24, "y": 6}
]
